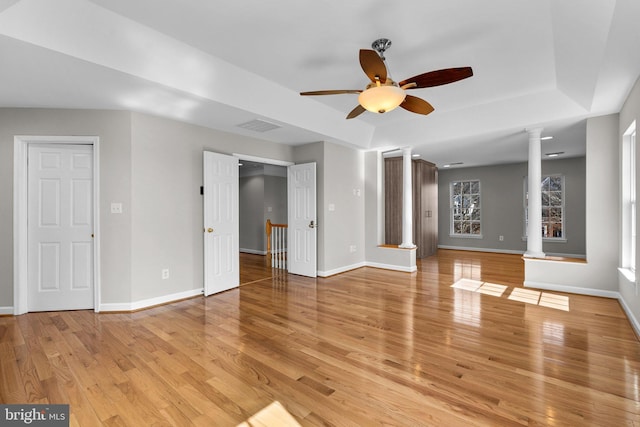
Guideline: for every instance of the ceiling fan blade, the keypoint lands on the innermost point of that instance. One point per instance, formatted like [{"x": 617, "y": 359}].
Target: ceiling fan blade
[
  {"x": 356, "y": 112},
  {"x": 416, "y": 105},
  {"x": 438, "y": 77},
  {"x": 372, "y": 65},
  {"x": 330, "y": 92}
]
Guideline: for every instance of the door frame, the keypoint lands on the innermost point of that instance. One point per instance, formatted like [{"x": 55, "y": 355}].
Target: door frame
[
  {"x": 20, "y": 210},
  {"x": 266, "y": 161}
]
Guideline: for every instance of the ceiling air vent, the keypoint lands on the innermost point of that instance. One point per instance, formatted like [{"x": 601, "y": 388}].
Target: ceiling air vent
[{"x": 258, "y": 126}]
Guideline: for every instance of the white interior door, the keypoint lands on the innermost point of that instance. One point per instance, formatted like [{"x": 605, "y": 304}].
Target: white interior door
[
  {"x": 221, "y": 223},
  {"x": 301, "y": 189},
  {"x": 60, "y": 227}
]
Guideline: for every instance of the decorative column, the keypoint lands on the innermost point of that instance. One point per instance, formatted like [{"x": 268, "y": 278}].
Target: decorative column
[
  {"x": 534, "y": 202},
  {"x": 407, "y": 201}
]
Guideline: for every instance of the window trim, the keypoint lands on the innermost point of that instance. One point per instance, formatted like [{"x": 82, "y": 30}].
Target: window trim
[
  {"x": 629, "y": 202},
  {"x": 451, "y": 213}
]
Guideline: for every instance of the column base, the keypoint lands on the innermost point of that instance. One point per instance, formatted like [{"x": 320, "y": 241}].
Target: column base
[
  {"x": 529, "y": 254},
  {"x": 407, "y": 246}
]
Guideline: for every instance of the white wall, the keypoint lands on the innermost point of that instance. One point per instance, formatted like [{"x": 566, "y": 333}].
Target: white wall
[
  {"x": 598, "y": 276},
  {"x": 628, "y": 290}
]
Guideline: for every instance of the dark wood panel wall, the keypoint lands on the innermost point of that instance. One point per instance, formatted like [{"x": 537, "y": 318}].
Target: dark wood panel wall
[{"x": 425, "y": 204}]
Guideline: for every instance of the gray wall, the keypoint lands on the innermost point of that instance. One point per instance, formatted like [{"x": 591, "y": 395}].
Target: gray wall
[
  {"x": 153, "y": 166},
  {"x": 252, "y": 231},
  {"x": 343, "y": 226},
  {"x": 167, "y": 205},
  {"x": 114, "y": 130},
  {"x": 275, "y": 198},
  {"x": 262, "y": 197},
  {"x": 339, "y": 171},
  {"x": 502, "y": 193}
]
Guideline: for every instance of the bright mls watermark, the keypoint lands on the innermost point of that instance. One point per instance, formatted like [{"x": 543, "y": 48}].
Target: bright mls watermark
[{"x": 34, "y": 415}]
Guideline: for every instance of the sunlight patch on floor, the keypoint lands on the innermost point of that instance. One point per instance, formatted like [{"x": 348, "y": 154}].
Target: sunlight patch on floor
[
  {"x": 525, "y": 295},
  {"x": 559, "y": 302},
  {"x": 528, "y": 296},
  {"x": 492, "y": 289},
  {"x": 467, "y": 284},
  {"x": 273, "y": 415}
]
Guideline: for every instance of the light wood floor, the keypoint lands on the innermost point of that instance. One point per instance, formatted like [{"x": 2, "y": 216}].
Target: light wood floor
[{"x": 367, "y": 347}]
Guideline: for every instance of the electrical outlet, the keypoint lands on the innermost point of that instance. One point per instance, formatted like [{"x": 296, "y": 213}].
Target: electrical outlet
[
  {"x": 165, "y": 273},
  {"x": 352, "y": 248},
  {"x": 501, "y": 238}
]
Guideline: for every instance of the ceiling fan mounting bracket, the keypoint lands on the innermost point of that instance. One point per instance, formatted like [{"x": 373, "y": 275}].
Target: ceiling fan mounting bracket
[{"x": 380, "y": 46}]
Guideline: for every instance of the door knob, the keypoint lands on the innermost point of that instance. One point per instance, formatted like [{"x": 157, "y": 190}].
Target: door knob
[
  {"x": 209, "y": 230},
  {"x": 312, "y": 225}
]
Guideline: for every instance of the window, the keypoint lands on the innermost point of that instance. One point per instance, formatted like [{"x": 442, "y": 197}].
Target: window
[
  {"x": 552, "y": 189},
  {"x": 629, "y": 198},
  {"x": 552, "y": 206},
  {"x": 465, "y": 208}
]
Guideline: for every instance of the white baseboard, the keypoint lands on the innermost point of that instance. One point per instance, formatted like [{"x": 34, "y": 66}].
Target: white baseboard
[
  {"x": 466, "y": 248},
  {"x": 6, "y": 310},
  {"x": 392, "y": 267},
  {"x": 571, "y": 289},
  {"x": 253, "y": 251},
  {"x": 507, "y": 251},
  {"x": 632, "y": 319},
  {"x": 341, "y": 269},
  {"x": 138, "y": 305}
]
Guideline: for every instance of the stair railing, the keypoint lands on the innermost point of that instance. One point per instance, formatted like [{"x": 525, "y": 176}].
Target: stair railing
[{"x": 276, "y": 245}]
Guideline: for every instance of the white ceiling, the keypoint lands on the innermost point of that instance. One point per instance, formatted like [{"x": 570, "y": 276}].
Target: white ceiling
[{"x": 537, "y": 63}]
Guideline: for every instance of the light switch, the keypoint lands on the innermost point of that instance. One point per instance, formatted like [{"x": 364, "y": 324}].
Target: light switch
[
  {"x": 116, "y": 208},
  {"x": 332, "y": 207}
]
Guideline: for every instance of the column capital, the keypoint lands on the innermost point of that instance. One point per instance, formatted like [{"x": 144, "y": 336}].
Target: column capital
[{"x": 534, "y": 133}]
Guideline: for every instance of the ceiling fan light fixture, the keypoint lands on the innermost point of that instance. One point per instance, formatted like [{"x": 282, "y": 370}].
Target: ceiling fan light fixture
[{"x": 381, "y": 98}]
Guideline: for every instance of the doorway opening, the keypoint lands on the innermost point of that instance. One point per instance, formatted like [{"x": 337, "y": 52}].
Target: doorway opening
[{"x": 263, "y": 196}]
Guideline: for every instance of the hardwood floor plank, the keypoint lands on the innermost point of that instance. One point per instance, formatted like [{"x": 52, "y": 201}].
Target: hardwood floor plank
[{"x": 366, "y": 347}]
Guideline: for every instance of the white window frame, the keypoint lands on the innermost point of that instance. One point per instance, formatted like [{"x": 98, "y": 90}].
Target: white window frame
[
  {"x": 561, "y": 239},
  {"x": 629, "y": 195},
  {"x": 452, "y": 213}
]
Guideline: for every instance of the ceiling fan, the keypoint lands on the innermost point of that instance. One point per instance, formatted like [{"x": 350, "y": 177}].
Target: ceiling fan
[{"x": 383, "y": 94}]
